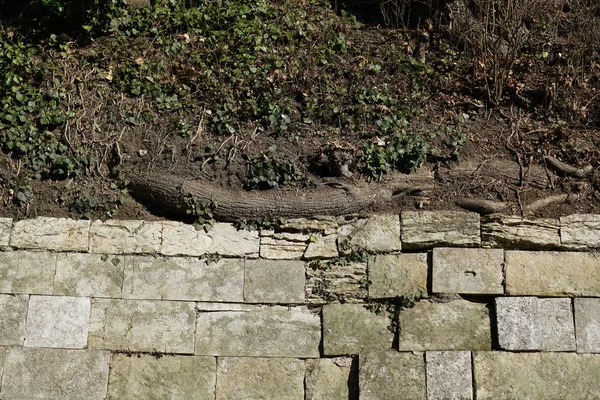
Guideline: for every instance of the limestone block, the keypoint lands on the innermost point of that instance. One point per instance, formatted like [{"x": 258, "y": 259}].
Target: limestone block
[
  {"x": 183, "y": 278},
  {"x": 171, "y": 377},
  {"x": 27, "y": 272},
  {"x": 449, "y": 375},
  {"x": 398, "y": 275},
  {"x": 468, "y": 271},
  {"x": 330, "y": 281},
  {"x": 274, "y": 282},
  {"x": 516, "y": 232},
  {"x": 377, "y": 234},
  {"x": 587, "y": 325},
  {"x": 225, "y": 307},
  {"x": 392, "y": 375},
  {"x": 455, "y": 325},
  {"x": 283, "y": 246},
  {"x": 311, "y": 225},
  {"x": 261, "y": 332},
  {"x": 91, "y": 275},
  {"x": 5, "y": 228},
  {"x": 55, "y": 374},
  {"x": 353, "y": 329},
  {"x": 125, "y": 237},
  {"x": 60, "y": 234},
  {"x": 321, "y": 247},
  {"x": 58, "y": 321},
  {"x": 429, "y": 229},
  {"x": 580, "y": 231},
  {"x": 556, "y": 324},
  {"x": 518, "y": 323},
  {"x": 13, "y": 312},
  {"x": 139, "y": 325},
  {"x": 330, "y": 379}
]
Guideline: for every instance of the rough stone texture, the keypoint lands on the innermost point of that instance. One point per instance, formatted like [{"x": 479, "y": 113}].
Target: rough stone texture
[
  {"x": 260, "y": 378},
  {"x": 587, "y": 325},
  {"x": 89, "y": 275},
  {"x": 378, "y": 234},
  {"x": 27, "y": 272},
  {"x": 551, "y": 273},
  {"x": 274, "y": 282},
  {"x": 55, "y": 374},
  {"x": 580, "y": 231},
  {"x": 5, "y": 228},
  {"x": 468, "y": 271},
  {"x": 398, "y": 275},
  {"x": 330, "y": 379},
  {"x": 139, "y": 325},
  {"x": 60, "y": 234},
  {"x": 556, "y": 324},
  {"x": 312, "y": 225},
  {"x": 183, "y": 278},
  {"x": 125, "y": 237},
  {"x": 58, "y": 321},
  {"x": 282, "y": 246},
  {"x": 518, "y": 323},
  {"x": 515, "y": 232},
  {"x": 455, "y": 325},
  {"x": 225, "y": 307},
  {"x": 449, "y": 375},
  {"x": 505, "y": 375},
  {"x": 151, "y": 378},
  {"x": 321, "y": 247},
  {"x": 222, "y": 239},
  {"x": 13, "y": 312},
  {"x": 327, "y": 282},
  {"x": 428, "y": 229},
  {"x": 262, "y": 332},
  {"x": 353, "y": 329},
  {"x": 392, "y": 375}
]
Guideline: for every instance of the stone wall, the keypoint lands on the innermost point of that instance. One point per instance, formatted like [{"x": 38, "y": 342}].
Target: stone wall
[{"x": 425, "y": 305}]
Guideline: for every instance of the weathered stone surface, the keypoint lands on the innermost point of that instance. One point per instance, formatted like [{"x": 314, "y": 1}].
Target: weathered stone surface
[
  {"x": 60, "y": 234},
  {"x": 283, "y": 246},
  {"x": 183, "y": 278},
  {"x": 330, "y": 379},
  {"x": 222, "y": 239},
  {"x": 449, "y": 375},
  {"x": 506, "y": 375},
  {"x": 260, "y": 378},
  {"x": 389, "y": 374},
  {"x": 89, "y": 275},
  {"x": 353, "y": 329},
  {"x": 274, "y": 282},
  {"x": 262, "y": 332},
  {"x": 378, "y": 234},
  {"x": 327, "y": 282},
  {"x": 428, "y": 229},
  {"x": 455, "y": 325},
  {"x": 27, "y": 272},
  {"x": 321, "y": 247},
  {"x": 468, "y": 271},
  {"x": 556, "y": 324},
  {"x": 125, "y": 237},
  {"x": 587, "y": 325},
  {"x": 170, "y": 377},
  {"x": 138, "y": 325},
  {"x": 58, "y": 321},
  {"x": 311, "y": 225},
  {"x": 518, "y": 323},
  {"x": 55, "y": 374},
  {"x": 5, "y": 228},
  {"x": 398, "y": 275},
  {"x": 13, "y": 312},
  {"x": 551, "y": 273},
  {"x": 225, "y": 307},
  {"x": 516, "y": 232},
  {"x": 580, "y": 231}
]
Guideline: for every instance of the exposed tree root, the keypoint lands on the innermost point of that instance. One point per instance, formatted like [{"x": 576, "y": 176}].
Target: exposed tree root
[
  {"x": 482, "y": 206},
  {"x": 546, "y": 201},
  {"x": 567, "y": 169}
]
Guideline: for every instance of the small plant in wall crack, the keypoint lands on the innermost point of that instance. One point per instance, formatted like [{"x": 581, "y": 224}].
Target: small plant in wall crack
[{"x": 202, "y": 210}]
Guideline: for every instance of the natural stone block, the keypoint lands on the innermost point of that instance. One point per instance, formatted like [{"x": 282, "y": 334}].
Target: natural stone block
[
  {"x": 90, "y": 275},
  {"x": 377, "y": 234},
  {"x": 262, "y": 332},
  {"x": 27, "y": 272},
  {"x": 429, "y": 229},
  {"x": 580, "y": 231},
  {"x": 398, "y": 275},
  {"x": 518, "y": 323},
  {"x": 353, "y": 329},
  {"x": 13, "y": 309},
  {"x": 556, "y": 324},
  {"x": 455, "y": 325},
  {"x": 170, "y": 377},
  {"x": 321, "y": 247},
  {"x": 225, "y": 307},
  {"x": 327, "y": 282},
  {"x": 5, "y": 228},
  {"x": 260, "y": 378},
  {"x": 58, "y": 321},
  {"x": 59, "y": 234},
  {"x": 138, "y": 325},
  {"x": 516, "y": 232},
  {"x": 389, "y": 374},
  {"x": 274, "y": 282},
  {"x": 587, "y": 325},
  {"x": 125, "y": 237},
  {"x": 183, "y": 278},
  {"x": 468, "y": 271},
  {"x": 551, "y": 273},
  {"x": 312, "y": 225},
  {"x": 330, "y": 379},
  {"x": 55, "y": 374},
  {"x": 282, "y": 246},
  {"x": 449, "y": 375},
  {"x": 222, "y": 239}
]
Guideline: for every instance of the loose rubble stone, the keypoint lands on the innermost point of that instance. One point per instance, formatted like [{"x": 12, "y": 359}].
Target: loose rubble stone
[
  {"x": 580, "y": 231},
  {"x": 587, "y": 325},
  {"x": 353, "y": 329},
  {"x": 274, "y": 282},
  {"x": 389, "y": 374},
  {"x": 5, "y": 228},
  {"x": 183, "y": 278},
  {"x": 395, "y": 275},
  {"x": 429, "y": 229},
  {"x": 260, "y": 378},
  {"x": 516, "y": 232},
  {"x": 138, "y": 325},
  {"x": 55, "y": 374},
  {"x": 321, "y": 247},
  {"x": 556, "y": 324},
  {"x": 377, "y": 234},
  {"x": 449, "y": 375},
  {"x": 262, "y": 332},
  {"x": 175, "y": 378},
  {"x": 468, "y": 271},
  {"x": 90, "y": 275},
  {"x": 331, "y": 281},
  {"x": 282, "y": 246},
  {"x": 58, "y": 321},
  {"x": 551, "y": 273},
  {"x": 455, "y": 325},
  {"x": 330, "y": 379},
  {"x": 59, "y": 234},
  {"x": 125, "y": 237},
  {"x": 518, "y": 323},
  {"x": 27, "y": 272},
  {"x": 13, "y": 310}
]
